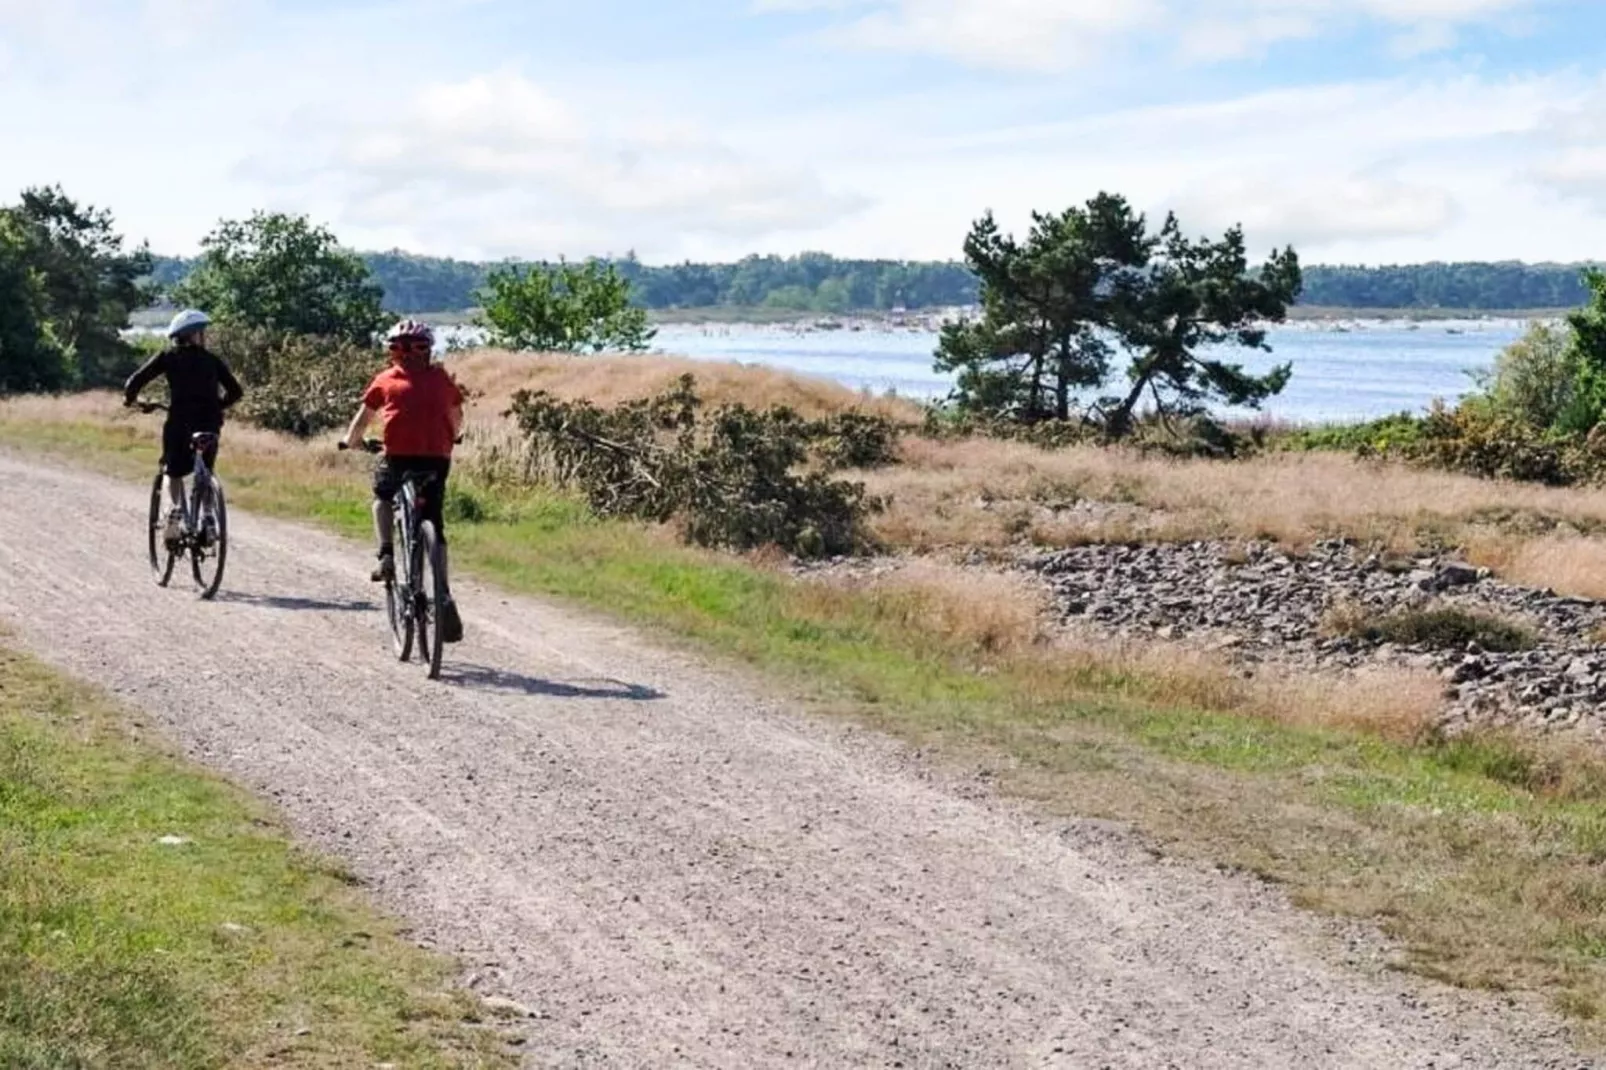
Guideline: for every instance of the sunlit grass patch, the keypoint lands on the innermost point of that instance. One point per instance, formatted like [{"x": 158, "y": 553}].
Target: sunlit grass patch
[{"x": 152, "y": 916}]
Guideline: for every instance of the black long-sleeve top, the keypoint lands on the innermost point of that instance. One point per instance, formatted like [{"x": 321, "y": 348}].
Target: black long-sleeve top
[{"x": 199, "y": 383}]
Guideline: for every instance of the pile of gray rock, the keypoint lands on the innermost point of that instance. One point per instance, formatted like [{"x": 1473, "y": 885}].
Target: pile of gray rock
[{"x": 1260, "y": 603}]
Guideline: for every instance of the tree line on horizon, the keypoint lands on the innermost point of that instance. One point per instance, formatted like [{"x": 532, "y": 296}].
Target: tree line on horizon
[{"x": 819, "y": 282}]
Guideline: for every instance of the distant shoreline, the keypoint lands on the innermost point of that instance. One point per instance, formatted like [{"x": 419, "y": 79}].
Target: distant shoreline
[{"x": 750, "y": 316}]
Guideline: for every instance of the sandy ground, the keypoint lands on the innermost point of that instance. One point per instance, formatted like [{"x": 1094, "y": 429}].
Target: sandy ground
[{"x": 667, "y": 868}]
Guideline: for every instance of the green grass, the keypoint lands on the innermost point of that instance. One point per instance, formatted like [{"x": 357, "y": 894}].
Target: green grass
[
  {"x": 1482, "y": 857},
  {"x": 231, "y": 948}
]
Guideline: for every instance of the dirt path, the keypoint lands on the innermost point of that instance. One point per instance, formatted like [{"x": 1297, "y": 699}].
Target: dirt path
[{"x": 670, "y": 871}]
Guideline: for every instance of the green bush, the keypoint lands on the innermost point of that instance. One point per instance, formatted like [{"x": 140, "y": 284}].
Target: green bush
[
  {"x": 1444, "y": 628},
  {"x": 854, "y": 440},
  {"x": 736, "y": 478},
  {"x": 1475, "y": 440},
  {"x": 948, "y": 422},
  {"x": 1534, "y": 380},
  {"x": 299, "y": 384},
  {"x": 1385, "y": 434}
]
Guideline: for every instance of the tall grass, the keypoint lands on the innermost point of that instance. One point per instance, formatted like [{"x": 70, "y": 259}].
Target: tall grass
[{"x": 1480, "y": 855}]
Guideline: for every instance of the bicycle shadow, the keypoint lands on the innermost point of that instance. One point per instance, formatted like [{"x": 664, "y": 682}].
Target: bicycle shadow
[
  {"x": 296, "y": 604},
  {"x": 484, "y": 678}
]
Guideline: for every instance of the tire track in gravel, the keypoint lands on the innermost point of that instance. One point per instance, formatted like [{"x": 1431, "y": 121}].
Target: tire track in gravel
[{"x": 670, "y": 869}]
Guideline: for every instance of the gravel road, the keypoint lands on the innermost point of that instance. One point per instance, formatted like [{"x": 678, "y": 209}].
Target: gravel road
[{"x": 667, "y": 868}]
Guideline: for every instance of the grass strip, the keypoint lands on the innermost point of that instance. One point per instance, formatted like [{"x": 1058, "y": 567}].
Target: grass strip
[
  {"x": 1482, "y": 857},
  {"x": 152, "y": 916}
]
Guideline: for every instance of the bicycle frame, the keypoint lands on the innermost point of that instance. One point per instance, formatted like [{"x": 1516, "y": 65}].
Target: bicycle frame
[
  {"x": 405, "y": 502},
  {"x": 200, "y": 492}
]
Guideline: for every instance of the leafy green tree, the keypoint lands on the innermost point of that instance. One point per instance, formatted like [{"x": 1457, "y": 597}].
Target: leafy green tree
[
  {"x": 796, "y": 297},
  {"x": 31, "y": 358},
  {"x": 570, "y": 308},
  {"x": 834, "y": 295},
  {"x": 1193, "y": 295},
  {"x": 1044, "y": 302},
  {"x": 283, "y": 273},
  {"x": 1587, "y": 353},
  {"x": 1535, "y": 379},
  {"x": 89, "y": 282}
]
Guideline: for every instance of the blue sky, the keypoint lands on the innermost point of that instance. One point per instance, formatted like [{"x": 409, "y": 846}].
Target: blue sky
[{"x": 1359, "y": 130}]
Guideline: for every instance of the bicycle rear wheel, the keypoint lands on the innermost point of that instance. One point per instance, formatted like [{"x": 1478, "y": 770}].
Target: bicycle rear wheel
[
  {"x": 208, "y": 558},
  {"x": 398, "y": 599},
  {"x": 162, "y": 559},
  {"x": 431, "y": 595}
]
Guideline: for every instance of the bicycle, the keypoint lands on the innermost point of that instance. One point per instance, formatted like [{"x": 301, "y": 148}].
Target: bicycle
[
  {"x": 416, "y": 587},
  {"x": 206, "y": 520}
]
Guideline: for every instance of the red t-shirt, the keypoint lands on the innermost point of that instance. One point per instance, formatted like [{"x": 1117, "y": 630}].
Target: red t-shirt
[{"x": 417, "y": 409}]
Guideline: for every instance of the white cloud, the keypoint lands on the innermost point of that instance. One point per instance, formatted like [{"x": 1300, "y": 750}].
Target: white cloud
[
  {"x": 1318, "y": 211},
  {"x": 499, "y": 164},
  {"x": 1052, "y": 35},
  {"x": 1571, "y": 160}
]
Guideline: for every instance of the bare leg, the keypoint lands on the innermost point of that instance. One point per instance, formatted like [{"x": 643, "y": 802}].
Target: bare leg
[
  {"x": 175, "y": 491},
  {"x": 384, "y": 519}
]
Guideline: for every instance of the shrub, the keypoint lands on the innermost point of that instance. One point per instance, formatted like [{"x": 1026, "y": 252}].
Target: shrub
[
  {"x": 1196, "y": 437},
  {"x": 1475, "y": 440},
  {"x": 1383, "y": 435},
  {"x": 947, "y": 422},
  {"x": 736, "y": 478},
  {"x": 854, "y": 440},
  {"x": 300, "y": 384},
  {"x": 1441, "y": 628},
  {"x": 1535, "y": 379}
]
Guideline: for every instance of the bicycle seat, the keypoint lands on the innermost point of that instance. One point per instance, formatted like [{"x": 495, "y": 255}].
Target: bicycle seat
[{"x": 203, "y": 440}]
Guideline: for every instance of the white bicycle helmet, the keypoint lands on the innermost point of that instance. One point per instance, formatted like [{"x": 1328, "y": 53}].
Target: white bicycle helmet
[
  {"x": 191, "y": 319},
  {"x": 410, "y": 328}
]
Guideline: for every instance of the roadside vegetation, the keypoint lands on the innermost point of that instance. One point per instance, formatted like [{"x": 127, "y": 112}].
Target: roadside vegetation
[
  {"x": 1480, "y": 855},
  {"x": 152, "y": 916},
  {"x": 689, "y": 505}
]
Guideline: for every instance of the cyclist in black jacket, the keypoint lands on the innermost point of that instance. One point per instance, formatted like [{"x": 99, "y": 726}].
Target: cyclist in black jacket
[{"x": 200, "y": 387}]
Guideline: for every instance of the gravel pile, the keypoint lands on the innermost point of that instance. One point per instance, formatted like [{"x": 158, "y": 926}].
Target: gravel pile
[{"x": 1261, "y": 603}]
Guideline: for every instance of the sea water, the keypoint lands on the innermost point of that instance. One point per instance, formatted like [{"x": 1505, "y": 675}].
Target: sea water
[{"x": 1348, "y": 371}]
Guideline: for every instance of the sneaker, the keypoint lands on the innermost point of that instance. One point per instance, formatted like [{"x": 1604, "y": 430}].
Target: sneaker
[
  {"x": 386, "y": 572},
  {"x": 173, "y": 529},
  {"x": 451, "y": 623}
]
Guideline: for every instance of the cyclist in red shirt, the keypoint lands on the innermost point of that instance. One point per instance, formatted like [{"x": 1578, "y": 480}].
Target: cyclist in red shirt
[{"x": 422, "y": 412}]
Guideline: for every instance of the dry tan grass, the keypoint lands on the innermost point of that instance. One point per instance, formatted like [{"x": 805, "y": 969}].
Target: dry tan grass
[
  {"x": 496, "y": 375},
  {"x": 982, "y": 612},
  {"x": 992, "y": 493},
  {"x": 1397, "y": 704},
  {"x": 1001, "y": 619}
]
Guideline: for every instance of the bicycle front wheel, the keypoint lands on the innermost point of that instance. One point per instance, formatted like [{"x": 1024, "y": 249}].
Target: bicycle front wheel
[
  {"x": 430, "y": 597},
  {"x": 210, "y": 551},
  {"x": 162, "y": 558},
  {"x": 398, "y": 597}
]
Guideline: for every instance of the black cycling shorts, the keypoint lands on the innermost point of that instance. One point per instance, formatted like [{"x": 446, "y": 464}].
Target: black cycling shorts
[
  {"x": 178, "y": 456},
  {"x": 392, "y": 472}
]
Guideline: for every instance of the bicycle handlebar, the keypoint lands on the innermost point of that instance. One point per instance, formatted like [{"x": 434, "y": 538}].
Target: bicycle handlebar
[
  {"x": 148, "y": 407},
  {"x": 373, "y": 445}
]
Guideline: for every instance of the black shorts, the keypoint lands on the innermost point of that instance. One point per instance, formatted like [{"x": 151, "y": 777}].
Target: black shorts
[
  {"x": 178, "y": 456},
  {"x": 392, "y": 472}
]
